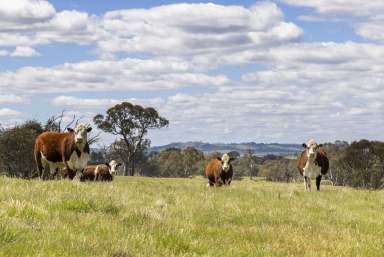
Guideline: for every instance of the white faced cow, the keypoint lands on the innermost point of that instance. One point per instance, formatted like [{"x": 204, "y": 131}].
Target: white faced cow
[
  {"x": 69, "y": 150},
  {"x": 313, "y": 163},
  {"x": 219, "y": 171}
]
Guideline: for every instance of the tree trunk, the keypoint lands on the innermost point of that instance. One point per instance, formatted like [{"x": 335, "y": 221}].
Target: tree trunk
[
  {"x": 133, "y": 165},
  {"x": 126, "y": 168}
]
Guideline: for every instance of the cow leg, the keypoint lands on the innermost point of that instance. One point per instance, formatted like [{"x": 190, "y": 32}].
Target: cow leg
[
  {"x": 211, "y": 183},
  {"x": 219, "y": 182},
  {"x": 45, "y": 167},
  {"x": 56, "y": 174},
  {"x": 40, "y": 171},
  {"x": 52, "y": 172},
  {"x": 307, "y": 183},
  {"x": 45, "y": 174},
  {"x": 77, "y": 175},
  {"x": 39, "y": 163},
  {"x": 70, "y": 174},
  {"x": 318, "y": 180}
]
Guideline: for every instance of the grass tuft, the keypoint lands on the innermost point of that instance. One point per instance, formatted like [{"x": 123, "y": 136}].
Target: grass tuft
[
  {"x": 75, "y": 205},
  {"x": 7, "y": 235}
]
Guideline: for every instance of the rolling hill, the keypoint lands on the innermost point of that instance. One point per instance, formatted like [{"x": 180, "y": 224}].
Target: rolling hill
[{"x": 260, "y": 148}]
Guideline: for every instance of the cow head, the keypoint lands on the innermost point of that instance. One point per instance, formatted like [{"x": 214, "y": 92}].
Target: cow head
[
  {"x": 225, "y": 162},
  {"x": 113, "y": 166},
  {"x": 80, "y": 132},
  {"x": 312, "y": 148}
]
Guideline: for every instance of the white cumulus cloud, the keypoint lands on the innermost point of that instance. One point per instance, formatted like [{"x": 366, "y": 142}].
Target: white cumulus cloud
[
  {"x": 366, "y": 17},
  {"x": 26, "y": 11},
  {"x": 11, "y": 98},
  {"x": 6, "y": 112},
  {"x": 182, "y": 29},
  {"x": 102, "y": 75},
  {"x": 168, "y": 30},
  {"x": 24, "y": 51}
]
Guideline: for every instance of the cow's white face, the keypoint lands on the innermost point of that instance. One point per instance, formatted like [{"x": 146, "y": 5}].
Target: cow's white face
[
  {"x": 113, "y": 166},
  {"x": 81, "y": 132},
  {"x": 225, "y": 162},
  {"x": 312, "y": 147}
]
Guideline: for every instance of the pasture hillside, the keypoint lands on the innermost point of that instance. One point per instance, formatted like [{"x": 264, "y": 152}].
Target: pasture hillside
[
  {"x": 260, "y": 148},
  {"x": 137, "y": 216}
]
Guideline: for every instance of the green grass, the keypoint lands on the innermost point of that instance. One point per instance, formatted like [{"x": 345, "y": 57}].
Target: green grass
[{"x": 137, "y": 216}]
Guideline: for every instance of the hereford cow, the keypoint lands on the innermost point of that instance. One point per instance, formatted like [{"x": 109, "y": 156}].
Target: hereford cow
[
  {"x": 313, "y": 163},
  {"x": 102, "y": 172},
  {"x": 219, "y": 171},
  {"x": 69, "y": 150}
]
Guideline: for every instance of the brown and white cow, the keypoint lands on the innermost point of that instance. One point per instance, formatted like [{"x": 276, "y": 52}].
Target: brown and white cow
[
  {"x": 313, "y": 163},
  {"x": 219, "y": 171},
  {"x": 102, "y": 172},
  {"x": 69, "y": 150}
]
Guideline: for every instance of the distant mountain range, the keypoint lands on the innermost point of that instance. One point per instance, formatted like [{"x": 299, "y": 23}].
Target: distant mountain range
[{"x": 260, "y": 149}]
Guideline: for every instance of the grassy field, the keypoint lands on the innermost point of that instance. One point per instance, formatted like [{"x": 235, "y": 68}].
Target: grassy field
[{"x": 138, "y": 216}]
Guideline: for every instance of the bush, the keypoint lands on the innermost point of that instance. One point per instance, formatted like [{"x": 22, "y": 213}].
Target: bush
[
  {"x": 280, "y": 169},
  {"x": 360, "y": 165},
  {"x": 16, "y": 149}
]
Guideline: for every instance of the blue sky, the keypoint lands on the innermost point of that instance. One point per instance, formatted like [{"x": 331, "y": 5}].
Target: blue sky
[{"x": 220, "y": 71}]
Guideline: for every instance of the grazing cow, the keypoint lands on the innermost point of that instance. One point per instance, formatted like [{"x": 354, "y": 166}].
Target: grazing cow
[
  {"x": 69, "y": 150},
  {"x": 313, "y": 162},
  {"x": 102, "y": 172},
  {"x": 219, "y": 171}
]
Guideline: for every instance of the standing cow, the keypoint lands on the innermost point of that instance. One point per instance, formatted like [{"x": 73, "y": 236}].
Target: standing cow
[
  {"x": 313, "y": 163},
  {"x": 69, "y": 150},
  {"x": 102, "y": 172},
  {"x": 219, "y": 171}
]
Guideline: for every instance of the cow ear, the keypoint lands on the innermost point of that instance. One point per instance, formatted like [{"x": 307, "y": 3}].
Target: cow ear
[
  {"x": 232, "y": 159},
  {"x": 89, "y": 129},
  {"x": 70, "y": 130},
  {"x": 320, "y": 145},
  {"x": 107, "y": 165},
  {"x": 218, "y": 158},
  {"x": 118, "y": 165},
  {"x": 304, "y": 145}
]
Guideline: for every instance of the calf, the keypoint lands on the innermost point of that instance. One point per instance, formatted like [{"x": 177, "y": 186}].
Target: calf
[
  {"x": 219, "y": 171},
  {"x": 102, "y": 172},
  {"x": 313, "y": 162},
  {"x": 59, "y": 150}
]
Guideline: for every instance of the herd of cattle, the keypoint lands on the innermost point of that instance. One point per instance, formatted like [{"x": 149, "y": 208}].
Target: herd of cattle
[{"x": 68, "y": 152}]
